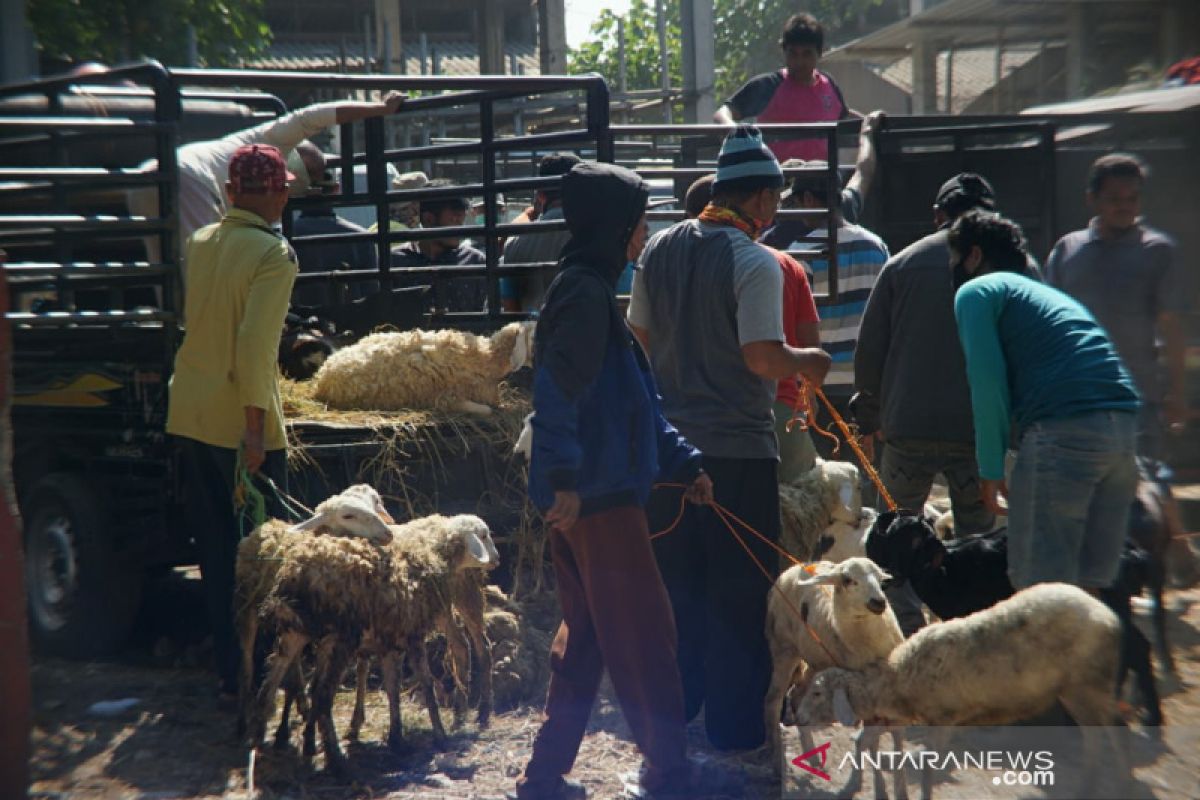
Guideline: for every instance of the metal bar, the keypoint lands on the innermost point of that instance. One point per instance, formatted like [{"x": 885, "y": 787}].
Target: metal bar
[
  {"x": 59, "y": 318},
  {"x": 487, "y": 135},
  {"x": 833, "y": 197},
  {"x": 377, "y": 188},
  {"x": 110, "y": 127},
  {"x": 152, "y": 70},
  {"x": 283, "y": 79},
  {"x": 812, "y": 129}
]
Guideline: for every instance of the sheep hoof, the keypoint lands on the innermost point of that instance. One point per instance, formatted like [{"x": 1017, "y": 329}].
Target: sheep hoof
[
  {"x": 485, "y": 715},
  {"x": 395, "y": 743}
]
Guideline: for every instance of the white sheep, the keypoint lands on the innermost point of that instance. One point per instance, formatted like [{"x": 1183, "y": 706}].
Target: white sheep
[
  {"x": 825, "y": 615},
  {"x": 827, "y": 493},
  {"x": 357, "y": 513},
  {"x": 842, "y": 541},
  {"x": 330, "y": 591},
  {"x": 997, "y": 666},
  {"x": 469, "y": 646},
  {"x": 447, "y": 370}
]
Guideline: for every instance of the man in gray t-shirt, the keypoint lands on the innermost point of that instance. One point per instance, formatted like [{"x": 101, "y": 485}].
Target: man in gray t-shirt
[
  {"x": 1126, "y": 274},
  {"x": 707, "y": 303}
]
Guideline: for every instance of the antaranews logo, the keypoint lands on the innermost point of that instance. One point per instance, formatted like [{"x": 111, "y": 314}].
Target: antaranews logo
[{"x": 822, "y": 753}]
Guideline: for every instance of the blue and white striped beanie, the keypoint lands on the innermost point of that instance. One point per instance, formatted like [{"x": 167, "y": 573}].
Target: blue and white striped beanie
[{"x": 746, "y": 163}]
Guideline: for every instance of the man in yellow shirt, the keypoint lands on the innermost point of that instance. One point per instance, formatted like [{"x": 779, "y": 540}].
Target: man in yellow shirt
[{"x": 224, "y": 396}]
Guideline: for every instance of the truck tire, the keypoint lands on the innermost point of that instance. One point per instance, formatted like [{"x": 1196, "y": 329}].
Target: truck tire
[{"x": 83, "y": 595}]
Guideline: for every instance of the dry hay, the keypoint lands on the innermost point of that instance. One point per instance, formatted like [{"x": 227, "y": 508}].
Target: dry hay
[{"x": 401, "y": 438}]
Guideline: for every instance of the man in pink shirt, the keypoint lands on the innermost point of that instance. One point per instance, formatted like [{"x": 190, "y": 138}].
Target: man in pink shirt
[{"x": 797, "y": 93}]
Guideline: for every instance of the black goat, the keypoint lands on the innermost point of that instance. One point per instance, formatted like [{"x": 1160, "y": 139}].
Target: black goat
[
  {"x": 969, "y": 574},
  {"x": 304, "y": 346},
  {"x": 1148, "y": 527}
]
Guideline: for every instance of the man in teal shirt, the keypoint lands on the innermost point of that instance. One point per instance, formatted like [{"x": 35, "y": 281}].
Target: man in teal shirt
[{"x": 1038, "y": 360}]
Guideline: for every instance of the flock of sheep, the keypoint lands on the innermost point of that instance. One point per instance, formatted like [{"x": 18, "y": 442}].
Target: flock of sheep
[{"x": 350, "y": 583}]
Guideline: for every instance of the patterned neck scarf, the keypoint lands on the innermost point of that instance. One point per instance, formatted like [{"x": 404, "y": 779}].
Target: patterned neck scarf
[{"x": 720, "y": 215}]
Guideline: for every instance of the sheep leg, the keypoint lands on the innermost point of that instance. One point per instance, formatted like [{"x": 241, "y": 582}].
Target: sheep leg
[
  {"x": 1135, "y": 653},
  {"x": 899, "y": 778},
  {"x": 866, "y": 739},
  {"x": 287, "y": 650},
  {"x": 420, "y": 662},
  {"x": 784, "y": 665},
  {"x": 325, "y": 683},
  {"x": 459, "y": 660},
  {"x": 293, "y": 693},
  {"x": 248, "y": 628},
  {"x": 390, "y": 666},
  {"x": 939, "y": 741},
  {"x": 1094, "y": 711},
  {"x": 1158, "y": 578},
  {"x": 481, "y": 659},
  {"x": 321, "y": 657},
  {"x": 361, "y": 670},
  {"x": 471, "y": 407}
]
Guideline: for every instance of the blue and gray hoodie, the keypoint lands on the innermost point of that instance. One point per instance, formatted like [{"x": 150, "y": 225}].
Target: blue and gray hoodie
[{"x": 597, "y": 426}]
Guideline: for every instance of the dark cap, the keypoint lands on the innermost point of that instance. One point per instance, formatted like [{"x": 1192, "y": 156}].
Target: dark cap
[
  {"x": 964, "y": 191},
  {"x": 258, "y": 168}
]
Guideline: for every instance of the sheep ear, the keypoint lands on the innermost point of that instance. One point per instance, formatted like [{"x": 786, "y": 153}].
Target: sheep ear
[
  {"x": 842, "y": 711},
  {"x": 477, "y": 552},
  {"x": 846, "y": 495},
  {"x": 825, "y": 578},
  {"x": 520, "y": 351},
  {"x": 312, "y": 523}
]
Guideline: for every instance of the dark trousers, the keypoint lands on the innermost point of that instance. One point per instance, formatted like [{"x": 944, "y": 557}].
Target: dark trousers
[
  {"x": 208, "y": 482},
  {"x": 720, "y": 597},
  {"x": 616, "y": 614}
]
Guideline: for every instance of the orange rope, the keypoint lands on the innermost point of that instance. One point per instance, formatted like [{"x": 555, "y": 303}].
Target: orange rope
[
  {"x": 804, "y": 413},
  {"x": 852, "y": 440},
  {"x": 725, "y": 515}
]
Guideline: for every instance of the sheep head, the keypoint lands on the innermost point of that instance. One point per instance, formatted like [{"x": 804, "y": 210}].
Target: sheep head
[
  {"x": 857, "y": 585},
  {"x": 512, "y": 347},
  {"x": 347, "y": 515},
  {"x": 844, "y": 477},
  {"x": 841, "y": 540},
  {"x": 367, "y": 492},
  {"x": 828, "y": 700},
  {"x": 479, "y": 550}
]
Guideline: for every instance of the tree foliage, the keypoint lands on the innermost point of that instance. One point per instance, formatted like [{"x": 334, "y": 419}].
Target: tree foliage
[
  {"x": 113, "y": 31},
  {"x": 747, "y": 39}
]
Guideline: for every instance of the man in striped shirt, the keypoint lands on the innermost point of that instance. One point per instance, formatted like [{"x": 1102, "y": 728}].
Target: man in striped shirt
[{"x": 860, "y": 258}]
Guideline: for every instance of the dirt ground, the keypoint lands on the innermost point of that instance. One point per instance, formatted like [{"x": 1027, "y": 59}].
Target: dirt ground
[{"x": 177, "y": 742}]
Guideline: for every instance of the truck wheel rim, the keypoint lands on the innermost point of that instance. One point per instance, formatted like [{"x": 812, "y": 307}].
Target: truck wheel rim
[{"x": 54, "y": 573}]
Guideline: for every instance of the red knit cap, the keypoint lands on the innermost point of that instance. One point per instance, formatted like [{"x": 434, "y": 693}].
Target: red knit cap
[{"x": 258, "y": 168}]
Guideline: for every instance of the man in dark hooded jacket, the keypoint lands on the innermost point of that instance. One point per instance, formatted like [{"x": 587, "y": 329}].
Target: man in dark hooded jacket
[{"x": 599, "y": 444}]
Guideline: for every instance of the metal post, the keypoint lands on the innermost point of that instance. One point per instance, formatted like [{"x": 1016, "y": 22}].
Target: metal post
[
  {"x": 699, "y": 71},
  {"x": 999, "y": 72},
  {"x": 950, "y": 80},
  {"x": 622, "y": 70},
  {"x": 193, "y": 53},
  {"x": 366, "y": 44},
  {"x": 424, "y": 54},
  {"x": 660, "y": 21},
  {"x": 487, "y": 136},
  {"x": 833, "y": 194},
  {"x": 377, "y": 188}
]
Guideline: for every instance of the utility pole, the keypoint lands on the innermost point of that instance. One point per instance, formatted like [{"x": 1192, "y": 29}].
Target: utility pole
[
  {"x": 491, "y": 38},
  {"x": 699, "y": 56},
  {"x": 552, "y": 36},
  {"x": 660, "y": 19}
]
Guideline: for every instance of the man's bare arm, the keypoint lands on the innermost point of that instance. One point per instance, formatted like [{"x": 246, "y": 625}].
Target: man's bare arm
[
  {"x": 353, "y": 112},
  {"x": 724, "y": 116},
  {"x": 808, "y": 334},
  {"x": 776, "y": 361},
  {"x": 864, "y": 167}
]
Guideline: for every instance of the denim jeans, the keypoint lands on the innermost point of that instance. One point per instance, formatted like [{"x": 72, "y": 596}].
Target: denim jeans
[
  {"x": 910, "y": 465},
  {"x": 1069, "y": 499}
]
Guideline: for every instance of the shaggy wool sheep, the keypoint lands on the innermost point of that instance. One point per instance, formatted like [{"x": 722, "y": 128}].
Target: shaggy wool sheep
[
  {"x": 446, "y": 370},
  {"x": 824, "y": 615},
  {"x": 842, "y": 541},
  {"x": 331, "y": 591},
  {"x": 961, "y": 672},
  {"x": 827, "y": 493}
]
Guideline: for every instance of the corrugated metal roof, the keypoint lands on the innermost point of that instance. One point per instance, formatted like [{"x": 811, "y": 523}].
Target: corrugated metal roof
[
  {"x": 1178, "y": 98},
  {"x": 974, "y": 73},
  {"x": 452, "y": 58},
  {"x": 973, "y": 23}
]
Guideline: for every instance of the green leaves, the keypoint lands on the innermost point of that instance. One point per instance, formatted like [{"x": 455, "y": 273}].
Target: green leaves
[
  {"x": 746, "y": 32},
  {"x": 113, "y": 31}
]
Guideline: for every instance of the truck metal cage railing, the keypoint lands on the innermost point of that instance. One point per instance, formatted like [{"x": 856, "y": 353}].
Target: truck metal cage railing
[
  {"x": 76, "y": 256},
  {"x": 671, "y": 157},
  {"x": 498, "y": 103},
  {"x": 916, "y": 157}
]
